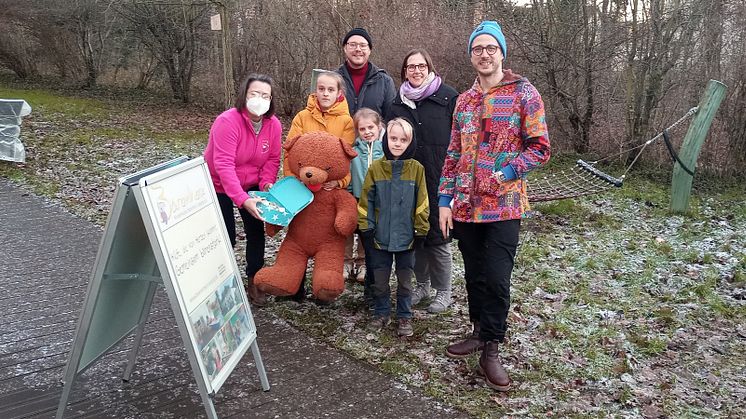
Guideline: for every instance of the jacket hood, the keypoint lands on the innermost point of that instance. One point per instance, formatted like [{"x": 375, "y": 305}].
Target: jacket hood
[
  {"x": 509, "y": 77},
  {"x": 408, "y": 153},
  {"x": 339, "y": 108}
]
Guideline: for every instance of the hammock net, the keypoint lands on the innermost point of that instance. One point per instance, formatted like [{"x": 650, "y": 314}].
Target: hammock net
[{"x": 585, "y": 179}]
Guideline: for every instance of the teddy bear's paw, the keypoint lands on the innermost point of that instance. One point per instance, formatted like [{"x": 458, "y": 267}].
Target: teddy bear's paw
[
  {"x": 266, "y": 281},
  {"x": 345, "y": 227},
  {"x": 327, "y": 295},
  {"x": 274, "y": 290}
]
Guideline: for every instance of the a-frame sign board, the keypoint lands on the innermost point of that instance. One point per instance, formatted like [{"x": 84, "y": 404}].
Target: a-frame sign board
[{"x": 165, "y": 228}]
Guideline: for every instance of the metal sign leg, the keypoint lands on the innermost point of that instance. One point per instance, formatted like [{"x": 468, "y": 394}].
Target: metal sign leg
[
  {"x": 209, "y": 405},
  {"x": 68, "y": 385},
  {"x": 259, "y": 365},
  {"x": 140, "y": 331}
]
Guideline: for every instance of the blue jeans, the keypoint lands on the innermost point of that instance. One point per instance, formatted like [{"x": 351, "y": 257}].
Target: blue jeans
[{"x": 381, "y": 262}]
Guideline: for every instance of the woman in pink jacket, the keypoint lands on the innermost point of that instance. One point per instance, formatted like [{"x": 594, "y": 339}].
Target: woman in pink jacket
[{"x": 243, "y": 154}]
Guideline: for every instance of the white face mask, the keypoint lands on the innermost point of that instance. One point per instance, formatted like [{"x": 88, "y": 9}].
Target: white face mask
[{"x": 257, "y": 105}]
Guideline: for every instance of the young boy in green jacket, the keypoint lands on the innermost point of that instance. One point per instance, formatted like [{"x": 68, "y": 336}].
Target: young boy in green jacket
[{"x": 392, "y": 219}]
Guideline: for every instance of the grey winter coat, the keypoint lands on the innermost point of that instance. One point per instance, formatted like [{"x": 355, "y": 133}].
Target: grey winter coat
[{"x": 377, "y": 93}]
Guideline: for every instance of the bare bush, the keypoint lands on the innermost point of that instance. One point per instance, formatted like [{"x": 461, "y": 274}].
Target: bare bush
[
  {"x": 16, "y": 52},
  {"x": 171, "y": 32}
]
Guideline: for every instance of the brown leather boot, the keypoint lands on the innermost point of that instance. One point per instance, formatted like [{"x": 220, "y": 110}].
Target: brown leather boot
[
  {"x": 257, "y": 298},
  {"x": 466, "y": 347},
  {"x": 492, "y": 369}
]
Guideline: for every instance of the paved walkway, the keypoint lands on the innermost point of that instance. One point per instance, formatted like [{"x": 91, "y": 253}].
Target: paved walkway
[{"x": 46, "y": 256}]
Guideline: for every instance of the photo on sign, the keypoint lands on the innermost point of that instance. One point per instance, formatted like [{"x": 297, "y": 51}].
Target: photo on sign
[
  {"x": 240, "y": 324},
  {"x": 230, "y": 340},
  {"x": 220, "y": 349},
  {"x": 212, "y": 360},
  {"x": 207, "y": 319},
  {"x": 223, "y": 349},
  {"x": 220, "y": 323},
  {"x": 228, "y": 296}
]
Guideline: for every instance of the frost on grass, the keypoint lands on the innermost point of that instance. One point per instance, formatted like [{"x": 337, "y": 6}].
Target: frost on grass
[{"x": 618, "y": 308}]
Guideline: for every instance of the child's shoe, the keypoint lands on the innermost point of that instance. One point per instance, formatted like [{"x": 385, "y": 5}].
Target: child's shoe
[
  {"x": 379, "y": 323},
  {"x": 405, "y": 328}
]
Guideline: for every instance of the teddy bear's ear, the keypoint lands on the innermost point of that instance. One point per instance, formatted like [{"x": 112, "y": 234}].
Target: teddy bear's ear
[
  {"x": 290, "y": 142},
  {"x": 351, "y": 154}
]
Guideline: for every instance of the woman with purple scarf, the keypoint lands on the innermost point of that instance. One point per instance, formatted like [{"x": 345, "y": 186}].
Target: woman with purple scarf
[{"x": 428, "y": 103}]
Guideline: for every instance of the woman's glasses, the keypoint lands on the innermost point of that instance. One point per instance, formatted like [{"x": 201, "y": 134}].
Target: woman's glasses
[
  {"x": 412, "y": 67},
  {"x": 254, "y": 93}
]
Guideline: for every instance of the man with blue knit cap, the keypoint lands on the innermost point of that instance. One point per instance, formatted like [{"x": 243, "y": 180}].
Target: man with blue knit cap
[{"x": 499, "y": 135}]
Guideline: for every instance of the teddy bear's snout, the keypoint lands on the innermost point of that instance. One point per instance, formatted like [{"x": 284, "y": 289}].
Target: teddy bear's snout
[{"x": 312, "y": 174}]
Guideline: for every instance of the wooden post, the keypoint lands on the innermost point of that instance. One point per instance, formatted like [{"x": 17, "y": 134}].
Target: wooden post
[
  {"x": 681, "y": 184},
  {"x": 230, "y": 87}
]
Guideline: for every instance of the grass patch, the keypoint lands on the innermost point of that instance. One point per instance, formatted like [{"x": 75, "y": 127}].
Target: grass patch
[
  {"x": 48, "y": 103},
  {"x": 565, "y": 208}
]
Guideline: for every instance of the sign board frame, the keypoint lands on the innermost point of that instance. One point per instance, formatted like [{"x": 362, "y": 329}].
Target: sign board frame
[{"x": 138, "y": 252}]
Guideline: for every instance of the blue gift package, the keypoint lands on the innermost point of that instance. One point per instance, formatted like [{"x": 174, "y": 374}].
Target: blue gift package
[{"x": 283, "y": 201}]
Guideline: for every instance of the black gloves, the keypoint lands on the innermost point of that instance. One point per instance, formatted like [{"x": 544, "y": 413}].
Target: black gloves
[
  {"x": 368, "y": 237},
  {"x": 368, "y": 234}
]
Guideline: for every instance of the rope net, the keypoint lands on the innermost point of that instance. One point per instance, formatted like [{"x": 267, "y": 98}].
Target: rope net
[
  {"x": 585, "y": 179},
  {"x": 582, "y": 179}
]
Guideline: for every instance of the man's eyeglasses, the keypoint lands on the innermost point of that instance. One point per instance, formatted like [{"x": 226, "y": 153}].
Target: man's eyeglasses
[
  {"x": 412, "y": 67},
  {"x": 355, "y": 45},
  {"x": 254, "y": 93},
  {"x": 478, "y": 50}
]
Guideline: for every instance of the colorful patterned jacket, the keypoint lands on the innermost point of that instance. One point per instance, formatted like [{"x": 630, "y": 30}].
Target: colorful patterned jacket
[{"x": 500, "y": 130}]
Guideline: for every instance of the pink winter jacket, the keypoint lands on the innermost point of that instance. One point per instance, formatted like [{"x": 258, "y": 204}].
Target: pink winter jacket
[{"x": 238, "y": 158}]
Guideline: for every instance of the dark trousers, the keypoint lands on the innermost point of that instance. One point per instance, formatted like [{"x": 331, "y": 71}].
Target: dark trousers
[
  {"x": 381, "y": 262},
  {"x": 488, "y": 250},
  {"x": 368, "y": 284},
  {"x": 253, "y": 228}
]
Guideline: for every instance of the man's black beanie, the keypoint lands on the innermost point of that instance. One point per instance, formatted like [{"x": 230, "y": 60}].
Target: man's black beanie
[{"x": 358, "y": 31}]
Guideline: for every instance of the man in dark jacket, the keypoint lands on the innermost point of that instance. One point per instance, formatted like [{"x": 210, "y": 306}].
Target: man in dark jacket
[{"x": 367, "y": 86}]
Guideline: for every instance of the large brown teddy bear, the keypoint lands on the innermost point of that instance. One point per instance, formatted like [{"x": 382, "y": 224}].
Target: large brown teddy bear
[{"x": 319, "y": 231}]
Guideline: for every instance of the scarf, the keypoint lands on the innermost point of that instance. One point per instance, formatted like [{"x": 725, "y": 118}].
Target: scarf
[{"x": 411, "y": 94}]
